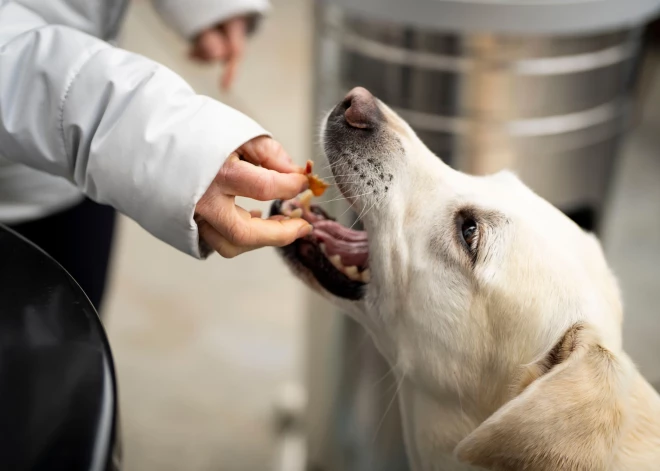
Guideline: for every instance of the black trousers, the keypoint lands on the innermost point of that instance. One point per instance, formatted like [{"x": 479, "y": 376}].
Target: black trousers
[{"x": 80, "y": 239}]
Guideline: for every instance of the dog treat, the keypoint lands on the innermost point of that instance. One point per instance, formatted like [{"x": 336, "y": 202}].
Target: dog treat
[
  {"x": 317, "y": 185},
  {"x": 305, "y": 200}
]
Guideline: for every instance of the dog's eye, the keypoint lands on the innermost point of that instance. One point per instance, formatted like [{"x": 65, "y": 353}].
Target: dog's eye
[{"x": 469, "y": 232}]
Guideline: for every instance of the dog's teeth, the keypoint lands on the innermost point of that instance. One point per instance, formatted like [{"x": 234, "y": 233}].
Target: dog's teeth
[
  {"x": 296, "y": 213},
  {"x": 305, "y": 199},
  {"x": 352, "y": 273},
  {"x": 366, "y": 276},
  {"x": 323, "y": 249},
  {"x": 336, "y": 261},
  {"x": 306, "y": 196}
]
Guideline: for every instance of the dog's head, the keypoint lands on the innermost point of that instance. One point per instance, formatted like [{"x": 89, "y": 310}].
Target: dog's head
[{"x": 469, "y": 285}]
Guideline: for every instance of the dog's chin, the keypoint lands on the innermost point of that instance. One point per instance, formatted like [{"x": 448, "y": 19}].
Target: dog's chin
[{"x": 333, "y": 256}]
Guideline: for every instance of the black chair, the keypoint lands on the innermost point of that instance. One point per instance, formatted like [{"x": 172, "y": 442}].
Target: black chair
[{"x": 58, "y": 395}]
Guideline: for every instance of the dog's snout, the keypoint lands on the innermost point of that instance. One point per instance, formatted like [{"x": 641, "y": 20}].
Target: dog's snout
[{"x": 361, "y": 109}]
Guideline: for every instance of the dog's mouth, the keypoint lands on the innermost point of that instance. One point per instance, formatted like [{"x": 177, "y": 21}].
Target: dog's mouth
[{"x": 335, "y": 255}]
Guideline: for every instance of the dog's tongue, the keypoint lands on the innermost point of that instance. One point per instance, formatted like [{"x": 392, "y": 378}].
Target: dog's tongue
[
  {"x": 340, "y": 232},
  {"x": 351, "y": 246}
]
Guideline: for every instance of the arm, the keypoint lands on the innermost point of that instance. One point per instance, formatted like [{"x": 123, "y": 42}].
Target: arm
[{"x": 127, "y": 131}]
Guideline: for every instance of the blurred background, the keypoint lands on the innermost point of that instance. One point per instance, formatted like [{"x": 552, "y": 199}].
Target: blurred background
[{"x": 202, "y": 349}]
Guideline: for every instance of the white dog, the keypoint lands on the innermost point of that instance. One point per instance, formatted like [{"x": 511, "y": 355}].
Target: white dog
[{"x": 498, "y": 314}]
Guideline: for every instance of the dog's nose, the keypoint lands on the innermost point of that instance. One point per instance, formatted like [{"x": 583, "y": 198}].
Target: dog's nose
[{"x": 361, "y": 109}]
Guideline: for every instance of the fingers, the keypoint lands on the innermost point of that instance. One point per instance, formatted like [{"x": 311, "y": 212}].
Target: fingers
[
  {"x": 270, "y": 154},
  {"x": 267, "y": 173},
  {"x": 211, "y": 45},
  {"x": 219, "y": 243},
  {"x": 257, "y": 232},
  {"x": 238, "y": 178},
  {"x": 242, "y": 235},
  {"x": 235, "y": 32}
]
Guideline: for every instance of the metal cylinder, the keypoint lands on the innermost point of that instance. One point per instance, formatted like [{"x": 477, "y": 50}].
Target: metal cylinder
[{"x": 551, "y": 107}]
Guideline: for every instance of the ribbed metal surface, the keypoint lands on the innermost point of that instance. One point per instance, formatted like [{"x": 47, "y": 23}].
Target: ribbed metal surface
[{"x": 541, "y": 106}]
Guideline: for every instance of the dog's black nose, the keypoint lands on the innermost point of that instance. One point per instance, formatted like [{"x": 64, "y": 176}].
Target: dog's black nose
[{"x": 361, "y": 109}]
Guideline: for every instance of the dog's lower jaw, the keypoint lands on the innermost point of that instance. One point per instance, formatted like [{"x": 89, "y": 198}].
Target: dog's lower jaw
[{"x": 432, "y": 430}]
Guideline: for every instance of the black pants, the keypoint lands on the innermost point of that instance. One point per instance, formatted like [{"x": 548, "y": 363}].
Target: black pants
[{"x": 80, "y": 239}]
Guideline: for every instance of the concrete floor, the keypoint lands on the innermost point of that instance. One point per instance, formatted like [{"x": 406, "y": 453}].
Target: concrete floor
[{"x": 201, "y": 347}]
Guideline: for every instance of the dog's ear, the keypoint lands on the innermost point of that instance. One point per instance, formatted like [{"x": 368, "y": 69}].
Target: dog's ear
[{"x": 567, "y": 414}]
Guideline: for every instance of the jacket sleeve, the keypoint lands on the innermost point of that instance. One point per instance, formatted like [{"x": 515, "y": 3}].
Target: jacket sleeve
[
  {"x": 127, "y": 131},
  {"x": 190, "y": 17}
]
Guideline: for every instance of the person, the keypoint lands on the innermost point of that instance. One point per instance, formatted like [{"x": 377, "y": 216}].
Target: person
[{"x": 87, "y": 128}]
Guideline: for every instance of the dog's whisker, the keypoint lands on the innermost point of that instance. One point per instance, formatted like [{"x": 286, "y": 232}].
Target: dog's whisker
[
  {"x": 358, "y": 218},
  {"x": 387, "y": 410},
  {"x": 342, "y": 183},
  {"x": 361, "y": 216},
  {"x": 329, "y": 166},
  {"x": 380, "y": 202},
  {"x": 337, "y": 184},
  {"x": 377, "y": 204},
  {"x": 345, "y": 197},
  {"x": 383, "y": 378},
  {"x": 347, "y": 210},
  {"x": 351, "y": 359}
]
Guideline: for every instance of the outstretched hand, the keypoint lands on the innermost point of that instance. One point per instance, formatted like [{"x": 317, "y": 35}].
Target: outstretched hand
[{"x": 261, "y": 170}]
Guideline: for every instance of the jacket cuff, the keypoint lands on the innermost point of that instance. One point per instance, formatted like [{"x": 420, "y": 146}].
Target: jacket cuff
[
  {"x": 191, "y": 18},
  {"x": 217, "y": 132}
]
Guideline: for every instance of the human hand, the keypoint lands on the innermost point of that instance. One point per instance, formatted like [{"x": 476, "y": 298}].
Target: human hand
[
  {"x": 266, "y": 173},
  {"x": 224, "y": 43}
]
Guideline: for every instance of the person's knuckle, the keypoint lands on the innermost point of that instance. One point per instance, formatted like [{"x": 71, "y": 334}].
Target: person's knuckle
[
  {"x": 271, "y": 146},
  {"x": 204, "y": 205},
  {"x": 236, "y": 232},
  {"x": 229, "y": 171},
  {"x": 249, "y": 235},
  {"x": 264, "y": 186},
  {"x": 215, "y": 214}
]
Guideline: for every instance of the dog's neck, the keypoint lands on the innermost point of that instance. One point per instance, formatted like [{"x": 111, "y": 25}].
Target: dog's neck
[{"x": 434, "y": 426}]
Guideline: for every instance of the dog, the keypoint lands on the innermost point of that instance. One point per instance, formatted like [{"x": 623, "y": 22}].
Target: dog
[{"x": 497, "y": 313}]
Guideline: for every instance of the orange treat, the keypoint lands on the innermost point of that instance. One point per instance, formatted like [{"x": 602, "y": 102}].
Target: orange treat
[{"x": 317, "y": 185}]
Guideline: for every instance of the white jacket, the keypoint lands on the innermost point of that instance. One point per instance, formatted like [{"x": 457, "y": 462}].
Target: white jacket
[{"x": 123, "y": 129}]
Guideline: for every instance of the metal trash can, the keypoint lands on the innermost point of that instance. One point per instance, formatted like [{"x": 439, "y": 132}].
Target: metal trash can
[{"x": 542, "y": 87}]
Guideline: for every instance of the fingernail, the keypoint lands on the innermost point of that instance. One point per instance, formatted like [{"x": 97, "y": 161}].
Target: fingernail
[{"x": 305, "y": 230}]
